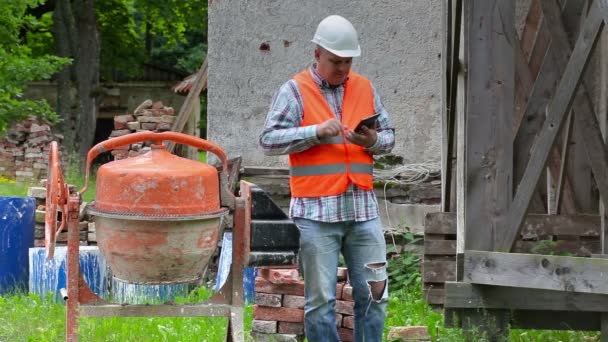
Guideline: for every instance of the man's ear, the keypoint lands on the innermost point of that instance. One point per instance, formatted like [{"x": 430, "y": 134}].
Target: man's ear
[{"x": 317, "y": 54}]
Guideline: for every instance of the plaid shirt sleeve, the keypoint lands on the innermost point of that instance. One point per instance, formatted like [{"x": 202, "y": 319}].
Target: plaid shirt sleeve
[
  {"x": 282, "y": 133},
  {"x": 386, "y": 133}
]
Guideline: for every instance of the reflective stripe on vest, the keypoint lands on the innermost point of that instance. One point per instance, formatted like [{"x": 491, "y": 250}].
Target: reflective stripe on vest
[{"x": 329, "y": 169}]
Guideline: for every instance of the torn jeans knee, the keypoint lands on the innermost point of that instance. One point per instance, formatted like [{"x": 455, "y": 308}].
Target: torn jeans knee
[{"x": 377, "y": 280}]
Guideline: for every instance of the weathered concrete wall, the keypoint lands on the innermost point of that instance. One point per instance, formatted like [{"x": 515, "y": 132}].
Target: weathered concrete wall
[{"x": 401, "y": 44}]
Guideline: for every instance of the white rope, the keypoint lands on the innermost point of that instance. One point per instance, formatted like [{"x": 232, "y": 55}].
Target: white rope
[{"x": 407, "y": 175}]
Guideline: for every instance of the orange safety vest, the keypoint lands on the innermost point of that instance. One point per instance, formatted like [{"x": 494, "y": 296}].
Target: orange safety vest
[{"x": 328, "y": 168}]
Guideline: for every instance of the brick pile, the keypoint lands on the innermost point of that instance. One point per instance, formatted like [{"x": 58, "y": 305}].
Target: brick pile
[
  {"x": 24, "y": 150},
  {"x": 278, "y": 313},
  {"x": 87, "y": 229},
  {"x": 149, "y": 116}
]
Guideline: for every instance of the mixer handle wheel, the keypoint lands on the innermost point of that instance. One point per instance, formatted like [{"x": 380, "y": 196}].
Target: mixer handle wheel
[
  {"x": 132, "y": 138},
  {"x": 56, "y": 196}
]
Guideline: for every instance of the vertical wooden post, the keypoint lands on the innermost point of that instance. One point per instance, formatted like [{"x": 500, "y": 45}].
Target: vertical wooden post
[
  {"x": 446, "y": 54},
  {"x": 490, "y": 101},
  {"x": 603, "y": 119},
  {"x": 489, "y": 136}
]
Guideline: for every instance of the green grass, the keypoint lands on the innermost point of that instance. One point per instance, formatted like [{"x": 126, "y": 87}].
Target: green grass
[
  {"x": 28, "y": 318},
  {"x": 10, "y": 188}
]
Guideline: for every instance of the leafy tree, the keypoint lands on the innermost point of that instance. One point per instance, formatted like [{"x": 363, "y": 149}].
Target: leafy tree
[
  {"x": 18, "y": 65},
  {"x": 105, "y": 38}
]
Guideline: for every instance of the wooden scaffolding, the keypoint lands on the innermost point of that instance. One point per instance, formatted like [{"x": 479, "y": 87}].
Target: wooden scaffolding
[{"x": 521, "y": 237}]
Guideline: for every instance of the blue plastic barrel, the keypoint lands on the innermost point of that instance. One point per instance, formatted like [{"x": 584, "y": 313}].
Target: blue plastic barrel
[
  {"x": 16, "y": 236},
  {"x": 49, "y": 276}
]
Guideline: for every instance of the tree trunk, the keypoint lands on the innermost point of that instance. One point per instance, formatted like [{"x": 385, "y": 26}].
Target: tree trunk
[
  {"x": 87, "y": 74},
  {"x": 63, "y": 29}
]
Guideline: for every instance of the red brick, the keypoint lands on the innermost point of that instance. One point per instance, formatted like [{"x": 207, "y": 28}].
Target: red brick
[
  {"x": 347, "y": 293},
  {"x": 346, "y": 335},
  {"x": 268, "y": 327},
  {"x": 120, "y": 121},
  {"x": 158, "y": 105},
  {"x": 338, "y": 320},
  {"x": 164, "y": 126},
  {"x": 265, "y": 313},
  {"x": 268, "y": 299},
  {"x": 345, "y": 307},
  {"x": 119, "y": 133},
  {"x": 280, "y": 276},
  {"x": 149, "y": 126},
  {"x": 291, "y": 328},
  {"x": 349, "y": 322},
  {"x": 264, "y": 286},
  {"x": 339, "y": 287},
  {"x": 414, "y": 333},
  {"x": 290, "y": 301}
]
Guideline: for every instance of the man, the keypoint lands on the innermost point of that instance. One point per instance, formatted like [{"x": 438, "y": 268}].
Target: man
[{"x": 312, "y": 118}]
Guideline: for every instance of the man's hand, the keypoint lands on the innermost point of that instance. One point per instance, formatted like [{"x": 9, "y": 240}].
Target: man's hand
[
  {"x": 330, "y": 128},
  {"x": 366, "y": 137}
]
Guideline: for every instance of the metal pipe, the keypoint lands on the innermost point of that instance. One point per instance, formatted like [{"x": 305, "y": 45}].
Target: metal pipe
[{"x": 64, "y": 293}]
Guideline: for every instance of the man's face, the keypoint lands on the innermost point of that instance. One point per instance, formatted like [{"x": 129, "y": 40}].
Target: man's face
[{"x": 333, "y": 68}]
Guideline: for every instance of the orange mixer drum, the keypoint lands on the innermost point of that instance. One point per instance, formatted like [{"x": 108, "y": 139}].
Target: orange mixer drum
[{"x": 157, "y": 216}]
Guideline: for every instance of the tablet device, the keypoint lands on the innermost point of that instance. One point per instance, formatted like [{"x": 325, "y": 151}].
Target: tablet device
[{"x": 369, "y": 122}]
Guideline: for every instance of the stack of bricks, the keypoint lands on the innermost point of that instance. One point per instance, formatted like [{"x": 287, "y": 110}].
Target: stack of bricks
[
  {"x": 24, "y": 151},
  {"x": 278, "y": 313},
  {"x": 148, "y": 117},
  {"x": 87, "y": 229}
]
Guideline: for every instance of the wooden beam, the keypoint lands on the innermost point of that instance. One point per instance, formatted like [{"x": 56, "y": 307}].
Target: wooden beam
[
  {"x": 186, "y": 110},
  {"x": 533, "y": 225},
  {"x": 558, "y": 107},
  {"x": 539, "y": 319},
  {"x": 446, "y": 78},
  {"x": 490, "y": 101},
  {"x": 471, "y": 296},
  {"x": 549, "y": 272},
  {"x": 587, "y": 124},
  {"x": 532, "y": 112}
]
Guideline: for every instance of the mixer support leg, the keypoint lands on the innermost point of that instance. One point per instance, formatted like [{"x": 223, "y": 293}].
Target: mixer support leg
[{"x": 73, "y": 269}]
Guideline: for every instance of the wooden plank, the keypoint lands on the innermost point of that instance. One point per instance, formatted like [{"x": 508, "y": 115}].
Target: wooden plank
[
  {"x": 531, "y": 27},
  {"x": 440, "y": 223},
  {"x": 534, "y": 225},
  {"x": 467, "y": 295},
  {"x": 446, "y": 74},
  {"x": 438, "y": 271},
  {"x": 490, "y": 100},
  {"x": 586, "y": 123},
  {"x": 533, "y": 114},
  {"x": 439, "y": 247},
  {"x": 434, "y": 296},
  {"x": 561, "y": 179},
  {"x": 186, "y": 110},
  {"x": 555, "y": 320},
  {"x": 560, "y": 105},
  {"x": 549, "y": 272}
]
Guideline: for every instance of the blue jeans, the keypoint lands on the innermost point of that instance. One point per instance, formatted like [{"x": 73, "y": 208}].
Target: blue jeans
[{"x": 364, "y": 250}]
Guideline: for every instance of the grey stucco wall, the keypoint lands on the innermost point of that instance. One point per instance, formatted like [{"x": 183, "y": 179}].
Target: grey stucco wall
[{"x": 401, "y": 44}]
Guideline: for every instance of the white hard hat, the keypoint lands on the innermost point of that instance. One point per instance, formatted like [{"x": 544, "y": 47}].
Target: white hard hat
[{"x": 338, "y": 36}]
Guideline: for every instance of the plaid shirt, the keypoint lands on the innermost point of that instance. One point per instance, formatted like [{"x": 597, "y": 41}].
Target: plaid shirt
[{"x": 283, "y": 135}]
